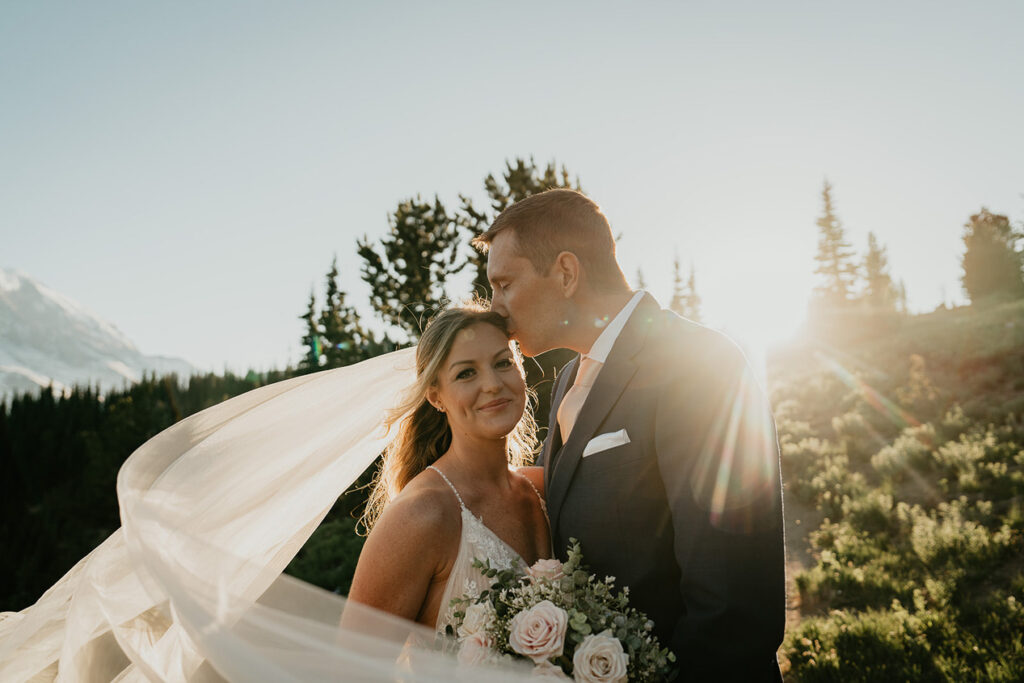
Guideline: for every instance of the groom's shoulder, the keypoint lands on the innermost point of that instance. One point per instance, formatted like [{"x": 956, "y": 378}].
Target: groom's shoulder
[{"x": 681, "y": 343}]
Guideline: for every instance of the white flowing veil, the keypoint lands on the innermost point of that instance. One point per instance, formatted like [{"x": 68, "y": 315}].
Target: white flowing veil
[{"x": 190, "y": 588}]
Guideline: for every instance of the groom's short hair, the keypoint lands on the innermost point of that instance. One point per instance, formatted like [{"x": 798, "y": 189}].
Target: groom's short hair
[{"x": 553, "y": 221}]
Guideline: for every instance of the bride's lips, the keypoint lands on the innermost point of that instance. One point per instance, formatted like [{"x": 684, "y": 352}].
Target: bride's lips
[{"x": 495, "y": 404}]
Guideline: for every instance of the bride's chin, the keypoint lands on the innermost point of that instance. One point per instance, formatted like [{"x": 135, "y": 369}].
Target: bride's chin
[{"x": 499, "y": 431}]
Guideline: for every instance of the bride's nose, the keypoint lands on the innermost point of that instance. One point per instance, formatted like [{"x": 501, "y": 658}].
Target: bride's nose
[{"x": 491, "y": 381}]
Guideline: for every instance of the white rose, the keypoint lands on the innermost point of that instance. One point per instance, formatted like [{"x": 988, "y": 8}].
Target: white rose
[
  {"x": 600, "y": 659},
  {"x": 479, "y": 617},
  {"x": 546, "y": 569},
  {"x": 549, "y": 672},
  {"x": 476, "y": 649},
  {"x": 539, "y": 632}
]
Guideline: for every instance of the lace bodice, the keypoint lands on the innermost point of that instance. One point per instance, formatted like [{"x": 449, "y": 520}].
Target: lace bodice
[{"x": 476, "y": 542}]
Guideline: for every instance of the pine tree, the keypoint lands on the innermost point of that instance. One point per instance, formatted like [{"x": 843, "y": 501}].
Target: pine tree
[
  {"x": 311, "y": 340},
  {"x": 880, "y": 294},
  {"x": 685, "y": 300},
  {"x": 692, "y": 298},
  {"x": 678, "y": 302},
  {"x": 407, "y": 277},
  {"x": 346, "y": 341},
  {"x": 835, "y": 257},
  {"x": 993, "y": 267},
  {"x": 640, "y": 282},
  {"x": 901, "y": 298}
]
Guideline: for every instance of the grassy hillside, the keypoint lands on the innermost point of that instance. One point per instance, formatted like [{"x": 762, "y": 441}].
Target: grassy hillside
[{"x": 903, "y": 457}]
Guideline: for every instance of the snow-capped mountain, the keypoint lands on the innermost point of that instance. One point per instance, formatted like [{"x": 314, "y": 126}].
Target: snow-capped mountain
[{"x": 45, "y": 338}]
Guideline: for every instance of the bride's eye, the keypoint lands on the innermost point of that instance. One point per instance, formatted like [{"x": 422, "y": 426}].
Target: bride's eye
[
  {"x": 465, "y": 374},
  {"x": 504, "y": 363}
]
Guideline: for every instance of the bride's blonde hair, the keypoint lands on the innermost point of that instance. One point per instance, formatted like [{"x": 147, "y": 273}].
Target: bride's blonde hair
[{"x": 423, "y": 432}]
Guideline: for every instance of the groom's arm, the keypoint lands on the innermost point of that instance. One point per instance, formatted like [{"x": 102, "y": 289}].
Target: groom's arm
[{"x": 719, "y": 460}]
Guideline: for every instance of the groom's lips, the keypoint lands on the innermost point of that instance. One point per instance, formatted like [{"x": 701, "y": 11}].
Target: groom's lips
[{"x": 498, "y": 403}]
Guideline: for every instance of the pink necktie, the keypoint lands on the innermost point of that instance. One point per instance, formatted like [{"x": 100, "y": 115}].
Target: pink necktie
[{"x": 573, "y": 400}]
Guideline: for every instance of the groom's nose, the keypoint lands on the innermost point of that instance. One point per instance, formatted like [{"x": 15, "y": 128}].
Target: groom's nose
[{"x": 498, "y": 304}]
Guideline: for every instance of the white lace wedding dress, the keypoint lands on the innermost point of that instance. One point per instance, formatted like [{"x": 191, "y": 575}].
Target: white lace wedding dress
[{"x": 477, "y": 542}]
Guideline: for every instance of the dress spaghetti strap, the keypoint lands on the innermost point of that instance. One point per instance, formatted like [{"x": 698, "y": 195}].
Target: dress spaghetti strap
[
  {"x": 540, "y": 498},
  {"x": 452, "y": 486}
]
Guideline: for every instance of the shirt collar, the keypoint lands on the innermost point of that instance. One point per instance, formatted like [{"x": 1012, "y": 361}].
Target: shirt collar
[{"x": 603, "y": 345}]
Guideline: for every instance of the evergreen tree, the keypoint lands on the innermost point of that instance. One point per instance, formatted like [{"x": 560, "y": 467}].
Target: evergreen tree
[
  {"x": 407, "y": 276},
  {"x": 880, "y": 294},
  {"x": 685, "y": 300},
  {"x": 692, "y": 298},
  {"x": 640, "y": 282},
  {"x": 678, "y": 301},
  {"x": 993, "y": 267},
  {"x": 346, "y": 341},
  {"x": 835, "y": 257},
  {"x": 901, "y": 298},
  {"x": 311, "y": 340}
]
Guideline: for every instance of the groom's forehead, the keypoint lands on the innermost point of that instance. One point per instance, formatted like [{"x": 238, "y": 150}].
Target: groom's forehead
[{"x": 504, "y": 257}]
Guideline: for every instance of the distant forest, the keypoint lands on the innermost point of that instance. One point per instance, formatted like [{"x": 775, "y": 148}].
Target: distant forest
[{"x": 902, "y": 437}]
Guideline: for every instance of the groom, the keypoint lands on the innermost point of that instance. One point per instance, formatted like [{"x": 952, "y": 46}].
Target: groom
[{"x": 661, "y": 456}]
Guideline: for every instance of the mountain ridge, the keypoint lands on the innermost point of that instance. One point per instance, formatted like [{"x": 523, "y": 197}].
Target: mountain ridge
[{"x": 47, "y": 338}]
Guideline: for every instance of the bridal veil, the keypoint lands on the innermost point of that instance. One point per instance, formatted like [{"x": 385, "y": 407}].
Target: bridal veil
[{"x": 190, "y": 588}]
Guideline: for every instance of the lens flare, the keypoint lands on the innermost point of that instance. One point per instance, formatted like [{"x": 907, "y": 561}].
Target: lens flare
[
  {"x": 871, "y": 396},
  {"x": 738, "y": 463}
]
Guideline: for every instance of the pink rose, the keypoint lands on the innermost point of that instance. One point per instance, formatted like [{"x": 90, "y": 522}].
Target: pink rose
[
  {"x": 546, "y": 569},
  {"x": 476, "y": 649},
  {"x": 600, "y": 659},
  {"x": 539, "y": 632}
]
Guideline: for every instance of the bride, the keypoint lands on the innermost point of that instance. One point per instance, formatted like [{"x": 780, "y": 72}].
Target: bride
[
  {"x": 191, "y": 587},
  {"x": 445, "y": 494}
]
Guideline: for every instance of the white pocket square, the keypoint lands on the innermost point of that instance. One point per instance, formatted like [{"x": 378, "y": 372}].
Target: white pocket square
[{"x": 603, "y": 442}]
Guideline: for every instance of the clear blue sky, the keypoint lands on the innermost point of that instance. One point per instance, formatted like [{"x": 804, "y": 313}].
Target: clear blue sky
[{"x": 187, "y": 170}]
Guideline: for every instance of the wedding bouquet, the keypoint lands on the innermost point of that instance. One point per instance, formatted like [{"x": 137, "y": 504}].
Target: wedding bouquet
[{"x": 571, "y": 624}]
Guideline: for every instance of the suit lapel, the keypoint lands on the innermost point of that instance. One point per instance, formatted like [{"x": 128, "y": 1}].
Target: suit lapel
[
  {"x": 554, "y": 439},
  {"x": 615, "y": 375}
]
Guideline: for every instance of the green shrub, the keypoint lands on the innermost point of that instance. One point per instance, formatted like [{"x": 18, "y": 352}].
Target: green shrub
[
  {"x": 911, "y": 450},
  {"x": 953, "y": 424},
  {"x": 792, "y": 431},
  {"x": 877, "y": 645},
  {"x": 857, "y": 436},
  {"x": 946, "y": 536}
]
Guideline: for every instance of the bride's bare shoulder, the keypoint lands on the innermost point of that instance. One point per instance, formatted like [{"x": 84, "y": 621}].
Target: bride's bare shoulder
[
  {"x": 425, "y": 506},
  {"x": 533, "y": 474}
]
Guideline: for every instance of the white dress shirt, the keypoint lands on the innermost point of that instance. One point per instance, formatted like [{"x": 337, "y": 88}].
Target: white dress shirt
[{"x": 604, "y": 343}]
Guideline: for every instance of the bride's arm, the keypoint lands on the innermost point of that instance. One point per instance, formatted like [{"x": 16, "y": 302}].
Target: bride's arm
[{"x": 402, "y": 554}]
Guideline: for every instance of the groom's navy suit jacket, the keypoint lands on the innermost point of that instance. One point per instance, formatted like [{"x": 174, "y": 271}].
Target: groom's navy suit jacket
[{"x": 688, "y": 514}]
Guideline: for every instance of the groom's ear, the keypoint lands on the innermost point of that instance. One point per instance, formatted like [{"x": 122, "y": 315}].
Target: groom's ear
[{"x": 567, "y": 270}]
